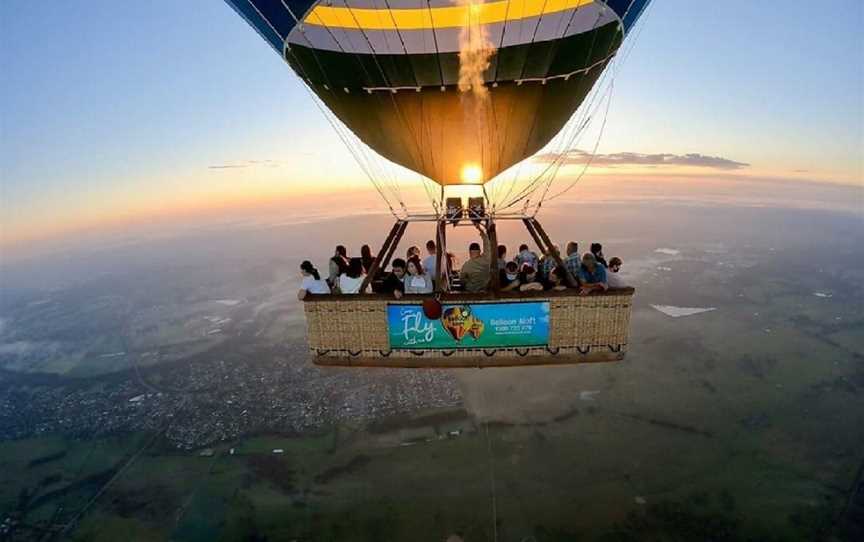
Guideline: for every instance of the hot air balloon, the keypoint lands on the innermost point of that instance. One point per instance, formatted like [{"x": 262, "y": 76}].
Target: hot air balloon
[
  {"x": 394, "y": 72},
  {"x": 458, "y": 92}
]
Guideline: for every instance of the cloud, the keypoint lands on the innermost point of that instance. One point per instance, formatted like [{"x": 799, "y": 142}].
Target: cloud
[
  {"x": 248, "y": 163},
  {"x": 229, "y": 166},
  {"x": 580, "y": 157}
]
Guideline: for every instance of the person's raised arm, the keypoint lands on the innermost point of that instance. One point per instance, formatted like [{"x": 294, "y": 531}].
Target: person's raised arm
[{"x": 487, "y": 243}]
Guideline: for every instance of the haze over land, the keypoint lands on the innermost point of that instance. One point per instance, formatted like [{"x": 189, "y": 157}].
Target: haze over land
[{"x": 146, "y": 351}]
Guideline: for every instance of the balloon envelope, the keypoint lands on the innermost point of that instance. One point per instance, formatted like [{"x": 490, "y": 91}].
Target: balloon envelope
[{"x": 456, "y": 92}]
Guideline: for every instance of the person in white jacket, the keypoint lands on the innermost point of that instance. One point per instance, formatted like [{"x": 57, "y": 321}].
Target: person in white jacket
[
  {"x": 350, "y": 281},
  {"x": 312, "y": 282},
  {"x": 613, "y": 278},
  {"x": 417, "y": 282}
]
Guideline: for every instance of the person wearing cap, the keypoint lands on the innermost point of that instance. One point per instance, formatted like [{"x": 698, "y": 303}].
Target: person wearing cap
[
  {"x": 476, "y": 271},
  {"x": 592, "y": 275}
]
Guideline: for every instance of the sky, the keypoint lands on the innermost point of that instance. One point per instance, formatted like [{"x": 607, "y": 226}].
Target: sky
[{"x": 110, "y": 115}]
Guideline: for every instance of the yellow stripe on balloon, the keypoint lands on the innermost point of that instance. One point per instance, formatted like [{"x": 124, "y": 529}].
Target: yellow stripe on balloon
[{"x": 440, "y": 17}]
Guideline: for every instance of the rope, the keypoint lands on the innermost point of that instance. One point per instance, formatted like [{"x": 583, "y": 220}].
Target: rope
[
  {"x": 69, "y": 524},
  {"x": 357, "y": 151},
  {"x": 372, "y": 165},
  {"x": 526, "y": 192},
  {"x": 512, "y": 184},
  {"x": 399, "y": 113},
  {"x": 572, "y": 132},
  {"x": 567, "y": 144},
  {"x": 490, "y": 461},
  {"x": 500, "y": 140},
  {"x": 615, "y": 69},
  {"x": 587, "y": 162},
  {"x": 492, "y": 482},
  {"x": 532, "y": 185},
  {"x": 435, "y": 40}
]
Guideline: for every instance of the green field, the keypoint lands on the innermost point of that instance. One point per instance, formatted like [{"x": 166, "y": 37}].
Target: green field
[{"x": 594, "y": 474}]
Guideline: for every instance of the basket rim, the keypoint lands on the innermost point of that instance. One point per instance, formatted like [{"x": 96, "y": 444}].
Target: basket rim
[{"x": 460, "y": 297}]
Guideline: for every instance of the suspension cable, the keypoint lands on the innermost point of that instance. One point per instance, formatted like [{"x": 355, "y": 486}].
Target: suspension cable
[
  {"x": 549, "y": 174},
  {"x": 356, "y": 148},
  {"x": 616, "y": 67},
  {"x": 528, "y": 190}
]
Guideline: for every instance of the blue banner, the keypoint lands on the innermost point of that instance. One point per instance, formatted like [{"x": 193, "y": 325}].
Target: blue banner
[{"x": 469, "y": 325}]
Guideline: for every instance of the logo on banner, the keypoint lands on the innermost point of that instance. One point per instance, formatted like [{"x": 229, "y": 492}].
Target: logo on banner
[{"x": 459, "y": 321}]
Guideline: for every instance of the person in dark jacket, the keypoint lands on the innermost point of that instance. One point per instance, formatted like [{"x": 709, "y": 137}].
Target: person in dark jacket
[
  {"x": 337, "y": 265},
  {"x": 394, "y": 281},
  {"x": 509, "y": 277},
  {"x": 366, "y": 257},
  {"x": 597, "y": 251}
]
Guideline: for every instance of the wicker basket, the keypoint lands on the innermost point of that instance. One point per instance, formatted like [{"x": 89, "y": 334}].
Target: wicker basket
[{"x": 352, "y": 330}]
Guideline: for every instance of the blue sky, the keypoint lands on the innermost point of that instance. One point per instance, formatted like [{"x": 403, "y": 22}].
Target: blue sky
[{"x": 104, "y": 106}]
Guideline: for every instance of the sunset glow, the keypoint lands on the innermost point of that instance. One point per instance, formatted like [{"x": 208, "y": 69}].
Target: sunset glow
[{"x": 196, "y": 129}]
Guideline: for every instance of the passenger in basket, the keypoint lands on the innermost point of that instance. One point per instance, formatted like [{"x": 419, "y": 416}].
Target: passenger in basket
[
  {"x": 509, "y": 277},
  {"x": 338, "y": 264},
  {"x": 573, "y": 261},
  {"x": 394, "y": 282},
  {"x": 592, "y": 276},
  {"x": 413, "y": 251},
  {"x": 529, "y": 280},
  {"x": 367, "y": 258},
  {"x": 547, "y": 263},
  {"x": 526, "y": 257},
  {"x": 475, "y": 272},
  {"x": 502, "y": 257},
  {"x": 597, "y": 251},
  {"x": 613, "y": 278},
  {"x": 351, "y": 280},
  {"x": 417, "y": 282},
  {"x": 557, "y": 280},
  {"x": 431, "y": 259},
  {"x": 312, "y": 283}
]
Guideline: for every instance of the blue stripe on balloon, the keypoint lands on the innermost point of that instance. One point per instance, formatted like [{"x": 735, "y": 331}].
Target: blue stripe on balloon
[
  {"x": 246, "y": 10},
  {"x": 622, "y": 7},
  {"x": 274, "y": 21},
  {"x": 272, "y": 18},
  {"x": 277, "y": 14}
]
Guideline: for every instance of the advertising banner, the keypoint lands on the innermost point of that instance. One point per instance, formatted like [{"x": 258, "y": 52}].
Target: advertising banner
[{"x": 470, "y": 325}]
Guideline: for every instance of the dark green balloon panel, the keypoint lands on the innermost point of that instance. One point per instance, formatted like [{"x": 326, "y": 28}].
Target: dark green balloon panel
[{"x": 431, "y": 127}]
